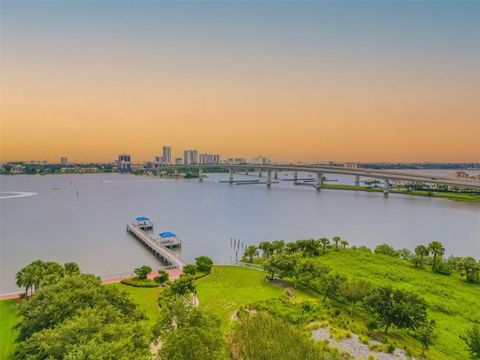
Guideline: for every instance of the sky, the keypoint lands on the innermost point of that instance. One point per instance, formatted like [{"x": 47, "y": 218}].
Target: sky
[{"x": 294, "y": 81}]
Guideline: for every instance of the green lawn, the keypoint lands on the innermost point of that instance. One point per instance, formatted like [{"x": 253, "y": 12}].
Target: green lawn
[
  {"x": 228, "y": 288},
  {"x": 8, "y": 318},
  {"x": 145, "y": 298},
  {"x": 467, "y": 197},
  {"x": 454, "y": 303}
]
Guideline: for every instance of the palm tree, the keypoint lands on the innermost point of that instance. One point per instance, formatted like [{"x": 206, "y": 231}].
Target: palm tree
[
  {"x": 436, "y": 249},
  {"x": 25, "y": 278},
  {"x": 344, "y": 243},
  {"x": 266, "y": 248},
  {"x": 336, "y": 240},
  {"x": 251, "y": 252},
  {"x": 324, "y": 241}
]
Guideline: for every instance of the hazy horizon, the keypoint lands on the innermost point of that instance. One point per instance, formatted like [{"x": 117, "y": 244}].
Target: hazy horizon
[{"x": 293, "y": 81}]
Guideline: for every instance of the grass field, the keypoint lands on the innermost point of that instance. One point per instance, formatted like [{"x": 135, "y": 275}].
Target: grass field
[
  {"x": 145, "y": 298},
  {"x": 454, "y": 303},
  {"x": 228, "y": 288},
  {"x": 467, "y": 197},
  {"x": 8, "y": 319}
]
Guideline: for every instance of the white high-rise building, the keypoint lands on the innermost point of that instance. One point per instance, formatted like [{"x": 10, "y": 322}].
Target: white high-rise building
[
  {"x": 209, "y": 159},
  {"x": 190, "y": 157},
  {"x": 260, "y": 160}
]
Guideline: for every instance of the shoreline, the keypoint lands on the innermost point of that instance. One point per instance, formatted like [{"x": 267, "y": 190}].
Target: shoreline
[{"x": 462, "y": 197}]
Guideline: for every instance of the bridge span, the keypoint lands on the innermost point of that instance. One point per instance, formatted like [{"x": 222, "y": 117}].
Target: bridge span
[{"x": 320, "y": 170}]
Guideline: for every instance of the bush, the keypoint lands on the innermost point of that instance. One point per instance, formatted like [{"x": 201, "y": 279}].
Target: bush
[
  {"x": 162, "y": 277},
  {"x": 204, "y": 263},
  {"x": 386, "y": 249},
  {"x": 442, "y": 268},
  {"x": 190, "y": 269},
  {"x": 136, "y": 282}
]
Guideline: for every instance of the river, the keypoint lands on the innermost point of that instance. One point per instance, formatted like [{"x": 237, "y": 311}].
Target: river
[{"x": 82, "y": 218}]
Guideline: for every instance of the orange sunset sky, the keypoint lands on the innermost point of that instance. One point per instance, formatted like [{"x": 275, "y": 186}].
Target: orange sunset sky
[{"x": 291, "y": 81}]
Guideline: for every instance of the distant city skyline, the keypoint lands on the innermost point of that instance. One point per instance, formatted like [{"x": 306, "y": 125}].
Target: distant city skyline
[{"x": 293, "y": 81}]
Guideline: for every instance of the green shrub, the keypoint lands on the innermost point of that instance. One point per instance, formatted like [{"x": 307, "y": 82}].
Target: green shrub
[
  {"x": 386, "y": 249},
  {"x": 136, "y": 282}
]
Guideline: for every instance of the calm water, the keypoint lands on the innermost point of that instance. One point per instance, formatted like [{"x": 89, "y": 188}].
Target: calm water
[{"x": 56, "y": 224}]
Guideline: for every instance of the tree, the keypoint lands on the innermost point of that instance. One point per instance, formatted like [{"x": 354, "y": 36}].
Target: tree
[
  {"x": 204, "y": 263},
  {"x": 190, "y": 269},
  {"x": 424, "y": 333},
  {"x": 472, "y": 340},
  {"x": 291, "y": 248},
  {"x": 387, "y": 250},
  {"x": 336, "y": 240},
  {"x": 470, "y": 268},
  {"x": 282, "y": 265},
  {"x": 57, "y": 302},
  {"x": 189, "y": 333},
  {"x": 310, "y": 273},
  {"x": 309, "y": 247},
  {"x": 356, "y": 291},
  {"x": 331, "y": 285},
  {"x": 400, "y": 308},
  {"x": 324, "y": 242},
  {"x": 71, "y": 268},
  {"x": 91, "y": 333},
  {"x": 436, "y": 249},
  {"x": 421, "y": 251},
  {"x": 250, "y": 252},
  {"x": 277, "y": 246},
  {"x": 25, "y": 278},
  {"x": 344, "y": 243},
  {"x": 142, "y": 271},
  {"x": 184, "y": 285},
  {"x": 267, "y": 248},
  {"x": 162, "y": 276}
]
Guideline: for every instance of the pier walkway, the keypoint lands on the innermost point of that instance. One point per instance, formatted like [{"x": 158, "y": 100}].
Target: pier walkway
[{"x": 159, "y": 250}]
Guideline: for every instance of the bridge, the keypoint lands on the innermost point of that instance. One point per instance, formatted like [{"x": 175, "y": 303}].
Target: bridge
[
  {"x": 158, "y": 249},
  {"x": 320, "y": 170}
]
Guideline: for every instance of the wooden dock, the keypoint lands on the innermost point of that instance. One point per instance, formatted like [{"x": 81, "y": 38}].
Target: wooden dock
[{"x": 168, "y": 256}]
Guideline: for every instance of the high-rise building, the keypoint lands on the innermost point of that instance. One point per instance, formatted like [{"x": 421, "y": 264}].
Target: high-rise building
[
  {"x": 124, "y": 163},
  {"x": 190, "y": 157},
  {"x": 260, "y": 160},
  {"x": 63, "y": 160},
  {"x": 209, "y": 159},
  {"x": 167, "y": 155},
  {"x": 178, "y": 161}
]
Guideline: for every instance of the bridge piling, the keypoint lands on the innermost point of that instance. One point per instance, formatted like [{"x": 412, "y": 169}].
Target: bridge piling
[
  {"x": 357, "y": 180},
  {"x": 386, "y": 187},
  {"x": 269, "y": 178},
  {"x": 295, "y": 176},
  {"x": 200, "y": 174},
  {"x": 275, "y": 175},
  {"x": 230, "y": 175},
  {"x": 319, "y": 181}
]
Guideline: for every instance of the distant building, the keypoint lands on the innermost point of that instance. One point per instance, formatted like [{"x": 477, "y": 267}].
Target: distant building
[
  {"x": 167, "y": 155},
  {"x": 350, "y": 165},
  {"x": 165, "y": 159},
  {"x": 17, "y": 169},
  {"x": 190, "y": 157},
  {"x": 260, "y": 160},
  {"x": 235, "y": 161},
  {"x": 178, "y": 161},
  {"x": 63, "y": 160},
  {"x": 124, "y": 163},
  {"x": 209, "y": 159},
  {"x": 77, "y": 169}
]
